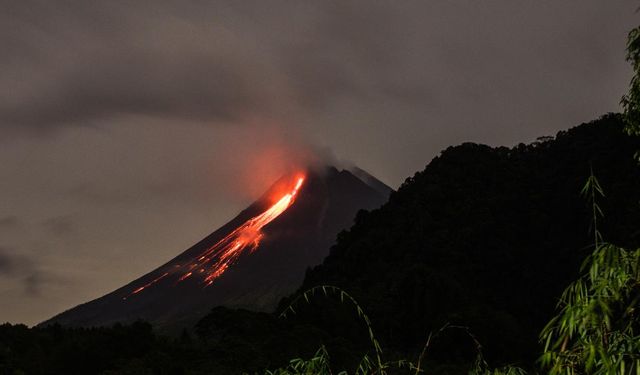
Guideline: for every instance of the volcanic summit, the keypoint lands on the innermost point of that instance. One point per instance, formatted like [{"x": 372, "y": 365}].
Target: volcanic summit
[{"x": 251, "y": 262}]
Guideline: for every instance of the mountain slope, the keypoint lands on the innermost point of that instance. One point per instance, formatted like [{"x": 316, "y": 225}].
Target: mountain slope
[{"x": 271, "y": 265}]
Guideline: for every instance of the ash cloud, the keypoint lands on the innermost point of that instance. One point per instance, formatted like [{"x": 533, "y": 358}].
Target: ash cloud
[
  {"x": 75, "y": 63},
  {"x": 6, "y": 263},
  {"x": 22, "y": 268},
  {"x": 80, "y": 64},
  {"x": 60, "y": 225},
  {"x": 9, "y": 222},
  {"x": 316, "y": 66}
]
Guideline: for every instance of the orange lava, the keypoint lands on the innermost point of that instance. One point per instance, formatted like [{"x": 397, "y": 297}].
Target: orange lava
[
  {"x": 212, "y": 263},
  {"x": 140, "y": 289}
]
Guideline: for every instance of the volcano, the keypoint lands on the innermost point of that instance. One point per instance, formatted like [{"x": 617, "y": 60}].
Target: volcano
[{"x": 251, "y": 262}]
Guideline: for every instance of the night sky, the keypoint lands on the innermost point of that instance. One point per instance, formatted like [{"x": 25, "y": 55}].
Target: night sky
[{"x": 128, "y": 132}]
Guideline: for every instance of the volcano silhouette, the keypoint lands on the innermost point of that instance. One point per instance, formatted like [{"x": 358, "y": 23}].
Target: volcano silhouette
[{"x": 180, "y": 292}]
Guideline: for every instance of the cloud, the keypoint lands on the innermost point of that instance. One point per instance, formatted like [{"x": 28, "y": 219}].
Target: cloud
[
  {"x": 23, "y": 269},
  {"x": 60, "y": 225},
  {"x": 73, "y": 64},
  {"x": 77, "y": 63},
  {"x": 11, "y": 264},
  {"x": 33, "y": 283},
  {"x": 6, "y": 263},
  {"x": 9, "y": 222}
]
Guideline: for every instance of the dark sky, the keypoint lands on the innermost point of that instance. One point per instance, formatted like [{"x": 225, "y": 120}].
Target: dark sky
[{"x": 129, "y": 131}]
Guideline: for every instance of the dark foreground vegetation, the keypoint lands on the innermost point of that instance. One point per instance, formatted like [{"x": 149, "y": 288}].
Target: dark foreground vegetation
[{"x": 490, "y": 257}]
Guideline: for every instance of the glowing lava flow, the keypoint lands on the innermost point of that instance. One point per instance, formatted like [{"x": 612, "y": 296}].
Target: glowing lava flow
[{"x": 219, "y": 257}]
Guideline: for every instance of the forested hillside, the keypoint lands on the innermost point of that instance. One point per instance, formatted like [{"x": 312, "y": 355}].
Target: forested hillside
[{"x": 487, "y": 238}]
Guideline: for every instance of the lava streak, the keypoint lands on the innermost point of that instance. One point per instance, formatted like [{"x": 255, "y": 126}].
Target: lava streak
[
  {"x": 140, "y": 289},
  {"x": 213, "y": 262}
]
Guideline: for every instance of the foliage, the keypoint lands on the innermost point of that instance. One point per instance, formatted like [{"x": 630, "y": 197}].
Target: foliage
[
  {"x": 631, "y": 101},
  {"x": 319, "y": 364},
  {"x": 591, "y": 191},
  {"x": 244, "y": 344},
  {"x": 361, "y": 314},
  {"x": 596, "y": 331}
]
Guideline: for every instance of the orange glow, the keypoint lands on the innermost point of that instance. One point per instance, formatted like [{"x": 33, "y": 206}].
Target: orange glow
[
  {"x": 140, "y": 289},
  {"x": 246, "y": 237},
  {"x": 213, "y": 262}
]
